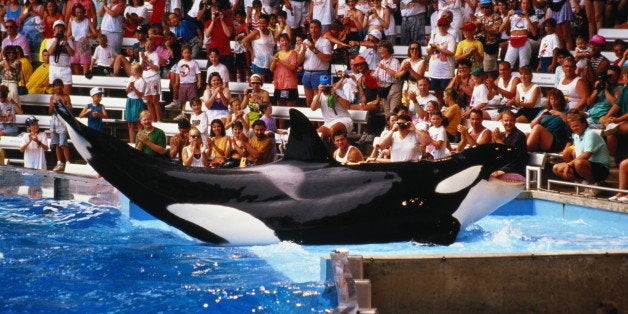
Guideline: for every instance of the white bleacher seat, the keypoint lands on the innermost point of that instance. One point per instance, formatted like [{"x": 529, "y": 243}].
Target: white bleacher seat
[
  {"x": 42, "y": 100},
  {"x": 108, "y": 82},
  {"x": 534, "y": 169},
  {"x": 611, "y": 34}
]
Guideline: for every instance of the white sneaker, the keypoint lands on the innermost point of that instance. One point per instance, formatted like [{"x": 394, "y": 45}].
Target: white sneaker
[
  {"x": 173, "y": 105},
  {"x": 623, "y": 199},
  {"x": 60, "y": 167}
]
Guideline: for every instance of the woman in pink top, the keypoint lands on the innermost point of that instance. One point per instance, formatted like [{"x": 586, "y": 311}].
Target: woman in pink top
[{"x": 284, "y": 65}]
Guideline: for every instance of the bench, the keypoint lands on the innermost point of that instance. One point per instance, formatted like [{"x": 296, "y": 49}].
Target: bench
[
  {"x": 42, "y": 100},
  {"x": 612, "y": 34},
  {"x": 109, "y": 82}
]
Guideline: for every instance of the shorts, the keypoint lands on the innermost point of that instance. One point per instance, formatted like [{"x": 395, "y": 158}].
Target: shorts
[
  {"x": 63, "y": 73},
  {"x": 133, "y": 108},
  {"x": 599, "y": 171},
  {"x": 347, "y": 122},
  {"x": 529, "y": 113},
  {"x": 187, "y": 92},
  {"x": 60, "y": 139},
  {"x": 311, "y": 78},
  {"x": 257, "y": 70},
  {"x": 439, "y": 84},
  {"x": 153, "y": 85},
  {"x": 286, "y": 94},
  {"x": 80, "y": 58},
  {"x": 545, "y": 62}
]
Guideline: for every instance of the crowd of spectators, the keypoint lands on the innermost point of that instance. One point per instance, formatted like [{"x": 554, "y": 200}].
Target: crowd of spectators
[{"x": 419, "y": 104}]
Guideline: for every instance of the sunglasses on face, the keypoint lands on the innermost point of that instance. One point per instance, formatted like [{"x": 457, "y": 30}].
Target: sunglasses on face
[{"x": 255, "y": 83}]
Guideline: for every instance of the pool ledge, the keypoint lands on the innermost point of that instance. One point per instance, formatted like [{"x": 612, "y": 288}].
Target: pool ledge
[{"x": 568, "y": 198}]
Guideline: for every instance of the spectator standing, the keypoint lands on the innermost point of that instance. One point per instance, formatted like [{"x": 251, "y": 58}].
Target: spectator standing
[
  {"x": 218, "y": 30},
  {"x": 561, "y": 12},
  {"x": 38, "y": 82},
  {"x": 284, "y": 66},
  {"x": 187, "y": 80},
  {"x": 32, "y": 27},
  {"x": 198, "y": 118},
  {"x": 186, "y": 32},
  {"x": 135, "y": 89},
  {"x": 58, "y": 130},
  {"x": 437, "y": 143},
  {"x": 95, "y": 111},
  {"x": 453, "y": 113},
  {"x": 297, "y": 14},
  {"x": 60, "y": 50},
  {"x": 522, "y": 24},
  {"x": 488, "y": 23},
  {"x": 33, "y": 145},
  {"x": 150, "y": 61},
  {"x": 588, "y": 161},
  {"x": 216, "y": 98},
  {"x": 81, "y": 30},
  {"x": 377, "y": 17},
  {"x": 260, "y": 44},
  {"x": 412, "y": 21},
  {"x": 315, "y": 58},
  {"x": 111, "y": 25},
  {"x": 135, "y": 14},
  {"x": 150, "y": 140},
  {"x": 321, "y": 10},
  {"x": 14, "y": 38},
  {"x": 441, "y": 49},
  {"x": 470, "y": 48},
  {"x": 550, "y": 43},
  {"x": 49, "y": 17},
  {"x": 385, "y": 72}
]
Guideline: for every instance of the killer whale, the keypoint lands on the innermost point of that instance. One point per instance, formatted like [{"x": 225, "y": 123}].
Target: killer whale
[{"x": 306, "y": 197}]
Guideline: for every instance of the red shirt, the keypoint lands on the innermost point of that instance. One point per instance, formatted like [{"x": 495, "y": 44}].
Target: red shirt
[{"x": 219, "y": 39}]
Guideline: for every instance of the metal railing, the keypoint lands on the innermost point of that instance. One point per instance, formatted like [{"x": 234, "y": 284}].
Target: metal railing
[{"x": 580, "y": 185}]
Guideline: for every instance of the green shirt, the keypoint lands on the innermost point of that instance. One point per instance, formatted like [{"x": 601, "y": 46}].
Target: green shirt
[{"x": 156, "y": 136}]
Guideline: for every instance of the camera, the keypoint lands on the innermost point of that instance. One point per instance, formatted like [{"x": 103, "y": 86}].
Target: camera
[
  {"x": 601, "y": 81},
  {"x": 59, "y": 36},
  {"x": 216, "y": 14},
  {"x": 402, "y": 125},
  {"x": 518, "y": 12},
  {"x": 369, "y": 12}
]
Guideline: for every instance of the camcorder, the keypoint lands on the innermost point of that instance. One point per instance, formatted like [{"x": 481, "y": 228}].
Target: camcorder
[
  {"x": 403, "y": 125},
  {"x": 601, "y": 79}
]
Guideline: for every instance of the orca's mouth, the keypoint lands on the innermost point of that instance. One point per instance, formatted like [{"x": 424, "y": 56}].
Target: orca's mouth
[{"x": 510, "y": 178}]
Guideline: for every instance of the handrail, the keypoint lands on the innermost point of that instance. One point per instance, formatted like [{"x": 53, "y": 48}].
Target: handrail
[{"x": 580, "y": 185}]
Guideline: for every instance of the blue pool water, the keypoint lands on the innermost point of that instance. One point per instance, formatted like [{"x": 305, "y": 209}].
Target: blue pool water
[{"x": 72, "y": 256}]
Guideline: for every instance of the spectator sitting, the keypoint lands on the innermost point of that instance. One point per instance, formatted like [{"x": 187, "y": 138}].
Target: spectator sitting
[
  {"x": 132, "y": 54},
  {"x": 11, "y": 71},
  {"x": 194, "y": 154},
  {"x": 477, "y": 135},
  {"x": 437, "y": 145},
  {"x": 587, "y": 161},
  {"x": 512, "y": 137},
  {"x": 619, "y": 48},
  {"x": 615, "y": 121},
  {"x": 198, "y": 118},
  {"x": 527, "y": 98},
  {"x": 95, "y": 111},
  {"x": 605, "y": 92},
  {"x": 254, "y": 97},
  {"x": 479, "y": 96},
  {"x": 462, "y": 83},
  {"x": 104, "y": 57},
  {"x": 8, "y": 109},
  {"x": 345, "y": 153},
  {"x": 421, "y": 99},
  {"x": 550, "y": 132},
  {"x": 424, "y": 123},
  {"x": 237, "y": 115},
  {"x": 150, "y": 140},
  {"x": 218, "y": 144},
  {"x": 261, "y": 146},
  {"x": 506, "y": 86},
  {"x": 378, "y": 152},
  {"x": 575, "y": 89},
  {"x": 411, "y": 70},
  {"x": 180, "y": 140},
  {"x": 453, "y": 113},
  {"x": 403, "y": 140},
  {"x": 370, "y": 42},
  {"x": 33, "y": 145},
  {"x": 38, "y": 82},
  {"x": 623, "y": 183},
  {"x": 334, "y": 107},
  {"x": 216, "y": 98}
]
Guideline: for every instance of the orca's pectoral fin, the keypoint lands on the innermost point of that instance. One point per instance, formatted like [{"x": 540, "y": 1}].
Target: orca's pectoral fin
[{"x": 304, "y": 144}]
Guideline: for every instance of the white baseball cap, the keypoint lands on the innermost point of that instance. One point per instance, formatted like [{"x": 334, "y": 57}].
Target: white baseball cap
[
  {"x": 95, "y": 91},
  {"x": 58, "y": 22}
]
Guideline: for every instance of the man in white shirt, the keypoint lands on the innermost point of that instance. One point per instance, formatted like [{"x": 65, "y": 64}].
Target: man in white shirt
[{"x": 315, "y": 58}]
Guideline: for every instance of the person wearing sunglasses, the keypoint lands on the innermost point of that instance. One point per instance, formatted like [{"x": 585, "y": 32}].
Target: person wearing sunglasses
[
  {"x": 195, "y": 154},
  {"x": 14, "y": 38}
]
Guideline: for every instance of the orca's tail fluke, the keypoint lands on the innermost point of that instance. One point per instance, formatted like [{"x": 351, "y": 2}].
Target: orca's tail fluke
[{"x": 304, "y": 143}]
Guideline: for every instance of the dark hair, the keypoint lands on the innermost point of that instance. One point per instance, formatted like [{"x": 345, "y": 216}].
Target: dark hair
[
  {"x": 4, "y": 91},
  {"x": 8, "y": 49},
  {"x": 506, "y": 63},
  {"x": 222, "y": 127},
  {"x": 465, "y": 62},
  {"x": 184, "y": 124},
  {"x": 620, "y": 43},
  {"x": 388, "y": 45},
  {"x": 558, "y": 94},
  {"x": 196, "y": 101},
  {"x": 445, "y": 121},
  {"x": 260, "y": 123},
  {"x": 339, "y": 132},
  {"x": 477, "y": 111},
  {"x": 563, "y": 52},
  {"x": 404, "y": 117},
  {"x": 550, "y": 22},
  {"x": 399, "y": 108},
  {"x": 577, "y": 115},
  {"x": 415, "y": 43},
  {"x": 264, "y": 16},
  {"x": 57, "y": 82},
  {"x": 237, "y": 124},
  {"x": 284, "y": 35},
  {"x": 263, "y": 107},
  {"x": 282, "y": 13},
  {"x": 317, "y": 22},
  {"x": 509, "y": 113},
  {"x": 211, "y": 75}
]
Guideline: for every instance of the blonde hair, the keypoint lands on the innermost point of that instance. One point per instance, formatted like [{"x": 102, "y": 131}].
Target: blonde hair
[
  {"x": 145, "y": 113},
  {"x": 137, "y": 68}
]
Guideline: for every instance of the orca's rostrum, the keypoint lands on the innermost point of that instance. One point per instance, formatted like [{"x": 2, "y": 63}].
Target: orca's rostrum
[{"x": 306, "y": 197}]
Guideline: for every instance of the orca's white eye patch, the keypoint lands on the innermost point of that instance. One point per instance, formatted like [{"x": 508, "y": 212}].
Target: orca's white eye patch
[{"x": 458, "y": 181}]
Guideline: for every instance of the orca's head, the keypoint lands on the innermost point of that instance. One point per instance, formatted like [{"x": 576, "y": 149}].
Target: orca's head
[{"x": 487, "y": 192}]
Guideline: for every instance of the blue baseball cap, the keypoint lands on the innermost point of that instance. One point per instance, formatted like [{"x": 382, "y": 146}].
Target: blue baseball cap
[
  {"x": 30, "y": 120},
  {"x": 324, "y": 80},
  {"x": 486, "y": 2}
]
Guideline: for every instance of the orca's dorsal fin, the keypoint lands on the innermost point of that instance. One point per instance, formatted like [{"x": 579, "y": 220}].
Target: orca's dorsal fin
[{"x": 304, "y": 144}]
